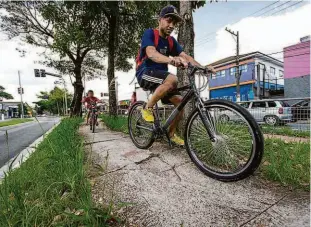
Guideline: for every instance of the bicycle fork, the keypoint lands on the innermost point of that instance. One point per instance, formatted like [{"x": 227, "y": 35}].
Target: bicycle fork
[{"x": 207, "y": 120}]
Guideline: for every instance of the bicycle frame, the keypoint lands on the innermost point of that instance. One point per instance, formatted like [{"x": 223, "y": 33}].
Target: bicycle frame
[{"x": 204, "y": 114}]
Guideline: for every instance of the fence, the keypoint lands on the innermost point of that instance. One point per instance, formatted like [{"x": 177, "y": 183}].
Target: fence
[{"x": 288, "y": 117}]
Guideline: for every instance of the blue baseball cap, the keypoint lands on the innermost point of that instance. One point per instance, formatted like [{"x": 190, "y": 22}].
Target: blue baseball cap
[{"x": 170, "y": 11}]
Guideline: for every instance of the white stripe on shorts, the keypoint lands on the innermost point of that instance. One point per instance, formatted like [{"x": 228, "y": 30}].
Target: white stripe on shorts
[{"x": 152, "y": 79}]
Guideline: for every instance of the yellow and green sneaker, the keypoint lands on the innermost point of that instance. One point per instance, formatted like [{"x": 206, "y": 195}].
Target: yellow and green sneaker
[
  {"x": 177, "y": 140},
  {"x": 147, "y": 115}
]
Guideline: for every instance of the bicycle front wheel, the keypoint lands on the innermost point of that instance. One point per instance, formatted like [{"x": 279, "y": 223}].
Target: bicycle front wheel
[
  {"x": 140, "y": 131},
  {"x": 94, "y": 123},
  {"x": 238, "y": 147}
]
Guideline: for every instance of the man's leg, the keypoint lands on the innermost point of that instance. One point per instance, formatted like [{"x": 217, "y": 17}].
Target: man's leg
[
  {"x": 169, "y": 84},
  {"x": 176, "y": 100}
]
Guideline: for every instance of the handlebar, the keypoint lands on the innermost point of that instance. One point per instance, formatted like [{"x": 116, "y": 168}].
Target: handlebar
[{"x": 196, "y": 68}]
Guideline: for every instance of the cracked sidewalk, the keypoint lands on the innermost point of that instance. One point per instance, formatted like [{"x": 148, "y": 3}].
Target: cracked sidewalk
[{"x": 166, "y": 189}]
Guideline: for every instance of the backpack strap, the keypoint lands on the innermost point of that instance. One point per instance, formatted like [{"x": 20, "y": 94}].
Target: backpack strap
[
  {"x": 156, "y": 37},
  {"x": 170, "y": 43},
  {"x": 169, "y": 39}
]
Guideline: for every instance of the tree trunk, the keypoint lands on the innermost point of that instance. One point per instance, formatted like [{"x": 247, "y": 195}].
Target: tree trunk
[
  {"x": 78, "y": 92},
  {"x": 186, "y": 40},
  {"x": 111, "y": 60}
]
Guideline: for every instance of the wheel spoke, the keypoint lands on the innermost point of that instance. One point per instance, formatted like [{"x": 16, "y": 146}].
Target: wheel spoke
[{"x": 234, "y": 141}]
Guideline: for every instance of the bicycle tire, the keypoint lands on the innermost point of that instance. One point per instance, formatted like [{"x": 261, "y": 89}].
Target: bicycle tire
[
  {"x": 93, "y": 123},
  {"x": 130, "y": 130},
  {"x": 258, "y": 140}
]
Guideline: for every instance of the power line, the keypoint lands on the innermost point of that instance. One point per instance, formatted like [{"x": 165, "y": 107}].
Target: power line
[
  {"x": 212, "y": 33},
  {"x": 263, "y": 8},
  {"x": 273, "y": 8},
  {"x": 287, "y": 7},
  {"x": 204, "y": 40}
]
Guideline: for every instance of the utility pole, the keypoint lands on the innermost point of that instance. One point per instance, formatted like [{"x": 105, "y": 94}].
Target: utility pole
[
  {"x": 237, "y": 73},
  {"x": 21, "y": 93}
]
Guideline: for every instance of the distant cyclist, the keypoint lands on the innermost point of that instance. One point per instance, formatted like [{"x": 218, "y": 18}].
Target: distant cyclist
[
  {"x": 152, "y": 66},
  {"x": 87, "y": 101}
]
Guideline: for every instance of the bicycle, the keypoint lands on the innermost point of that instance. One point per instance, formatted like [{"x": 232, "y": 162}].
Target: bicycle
[
  {"x": 93, "y": 117},
  {"x": 226, "y": 149}
]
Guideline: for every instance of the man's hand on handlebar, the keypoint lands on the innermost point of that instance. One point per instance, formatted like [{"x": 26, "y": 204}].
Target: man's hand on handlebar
[{"x": 179, "y": 62}]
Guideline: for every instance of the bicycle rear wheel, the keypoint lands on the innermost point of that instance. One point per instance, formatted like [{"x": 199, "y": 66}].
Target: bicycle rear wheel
[
  {"x": 141, "y": 137},
  {"x": 94, "y": 120},
  {"x": 238, "y": 147}
]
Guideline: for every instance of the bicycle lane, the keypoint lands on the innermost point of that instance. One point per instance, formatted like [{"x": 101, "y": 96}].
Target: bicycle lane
[{"x": 164, "y": 188}]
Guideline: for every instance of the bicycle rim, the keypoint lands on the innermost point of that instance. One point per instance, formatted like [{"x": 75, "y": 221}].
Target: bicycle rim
[
  {"x": 142, "y": 138},
  {"x": 234, "y": 151}
]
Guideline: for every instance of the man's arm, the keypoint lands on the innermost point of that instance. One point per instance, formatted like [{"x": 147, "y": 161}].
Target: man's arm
[
  {"x": 189, "y": 59},
  {"x": 194, "y": 62},
  {"x": 155, "y": 56}
]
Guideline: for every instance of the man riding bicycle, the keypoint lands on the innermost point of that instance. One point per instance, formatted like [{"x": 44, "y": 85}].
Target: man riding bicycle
[
  {"x": 152, "y": 68},
  {"x": 87, "y": 101}
]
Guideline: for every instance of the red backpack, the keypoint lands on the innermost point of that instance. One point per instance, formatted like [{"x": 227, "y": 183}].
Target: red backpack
[{"x": 140, "y": 60}]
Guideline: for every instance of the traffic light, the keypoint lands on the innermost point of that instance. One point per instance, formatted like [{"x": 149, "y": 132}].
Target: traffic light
[
  {"x": 22, "y": 90},
  {"x": 101, "y": 94},
  {"x": 19, "y": 90},
  {"x": 42, "y": 73},
  {"x": 37, "y": 73}
]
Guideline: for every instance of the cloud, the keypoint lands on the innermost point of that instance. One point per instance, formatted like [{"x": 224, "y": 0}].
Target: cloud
[{"x": 266, "y": 34}]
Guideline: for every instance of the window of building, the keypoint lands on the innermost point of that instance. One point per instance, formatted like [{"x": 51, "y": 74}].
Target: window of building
[
  {"x": 259, "y": 105},
  {"x": 243, "y": 68},
  {"x": 232, "y": 71},
  {"x": 281, "y": 73},
  {"x": 272, "y": 71}
]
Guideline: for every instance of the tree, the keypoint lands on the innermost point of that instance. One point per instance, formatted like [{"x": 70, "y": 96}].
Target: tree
[
  {"x": 72, "y": 36},
  {"x": 4, "y": 94},
  {"x": 126, "y": 22},
  {"x": 186, "y": 38},
  {"x": 52, "y": 101},
  {"x": 20, "y": 109}
]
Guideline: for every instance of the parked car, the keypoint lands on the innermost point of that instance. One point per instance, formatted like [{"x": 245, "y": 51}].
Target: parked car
[
  {"x": 301, "y": 110},
  {"x": 271, "y": 112}
]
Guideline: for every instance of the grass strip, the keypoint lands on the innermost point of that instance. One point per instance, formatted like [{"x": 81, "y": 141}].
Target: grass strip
[
  {"x": 14, "y": 122},
  {"x": 51, "y": 188},
  {"x": 118, "y": 123},
  {"x": 287, "y": 163},
  {"x": 285, "y": 131}
]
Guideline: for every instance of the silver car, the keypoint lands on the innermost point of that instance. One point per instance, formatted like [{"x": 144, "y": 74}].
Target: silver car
[{"x": 270, "y": 112}]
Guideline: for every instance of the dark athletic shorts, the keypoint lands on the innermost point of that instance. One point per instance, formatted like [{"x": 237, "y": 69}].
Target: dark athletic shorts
[{"x": 151, "y": 79}]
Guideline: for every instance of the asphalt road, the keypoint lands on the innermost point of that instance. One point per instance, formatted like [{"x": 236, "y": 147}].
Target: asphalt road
[{"x": 21, "y": 136}]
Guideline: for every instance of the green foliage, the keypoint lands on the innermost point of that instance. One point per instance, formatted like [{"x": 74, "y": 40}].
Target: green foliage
[
  {"x": 51, "y": 187},
  {"x": 14, "y": 122},
  {"x": 20, "y": 109},
  {"x": 4, "y": 94},
  {"x": 116, "y": 123},
  {"x": 287, "y": 163},
  {"x": 52, "y": 101},
  {"x": 67, "y": 29}
]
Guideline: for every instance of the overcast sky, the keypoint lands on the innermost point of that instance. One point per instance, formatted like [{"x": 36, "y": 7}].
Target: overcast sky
[{"x": 268, "y": 33}]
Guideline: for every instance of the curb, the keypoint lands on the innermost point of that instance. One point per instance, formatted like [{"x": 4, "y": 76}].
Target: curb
[{"x": 16, "y": 161}]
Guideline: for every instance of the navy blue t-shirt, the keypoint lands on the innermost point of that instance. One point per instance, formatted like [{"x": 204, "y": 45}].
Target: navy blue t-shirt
[{"x": 162, "y": 48}]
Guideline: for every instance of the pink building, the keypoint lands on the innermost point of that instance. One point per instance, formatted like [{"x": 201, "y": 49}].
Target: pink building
[{"x": 297, "y": 69}]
